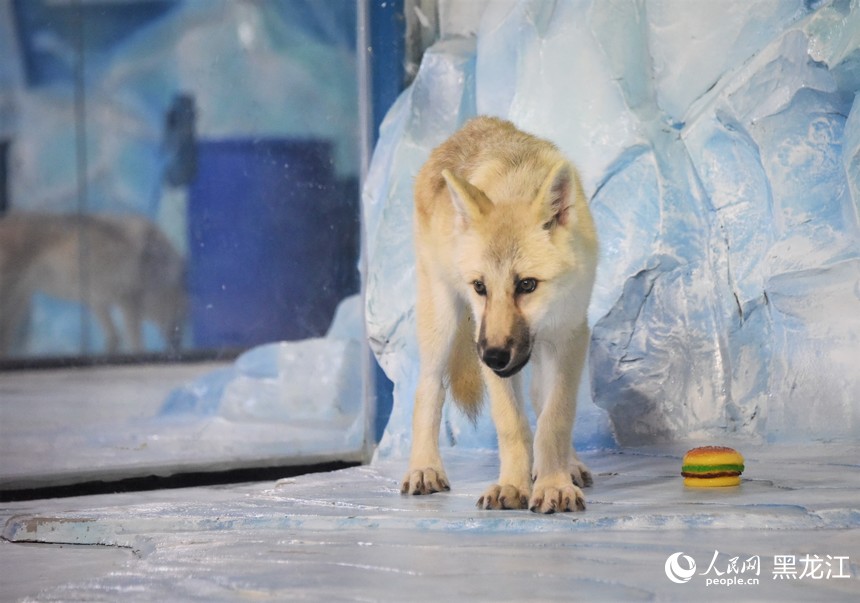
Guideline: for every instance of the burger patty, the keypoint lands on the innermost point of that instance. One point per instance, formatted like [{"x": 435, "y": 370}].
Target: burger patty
[{"x": 714, "y": 474}]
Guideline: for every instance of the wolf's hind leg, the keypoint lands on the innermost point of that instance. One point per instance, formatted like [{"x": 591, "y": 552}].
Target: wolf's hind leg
[
  {"x": 112, "y": 339},
  {"x": 579, "y": 473}
]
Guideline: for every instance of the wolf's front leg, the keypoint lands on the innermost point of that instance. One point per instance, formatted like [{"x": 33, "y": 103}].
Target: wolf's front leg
[
  {"x": 515, "y": 445},
  {"x": 438, "y": 316},
  {"x": 558, "y": 472},
  {"x": 426, "y": 474}
]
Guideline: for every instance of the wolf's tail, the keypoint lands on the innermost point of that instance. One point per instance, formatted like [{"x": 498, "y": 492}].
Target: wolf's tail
[{"x": 464, "y": 371}]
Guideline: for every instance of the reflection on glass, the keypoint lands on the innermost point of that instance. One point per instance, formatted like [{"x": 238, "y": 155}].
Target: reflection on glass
[{"x": 179, "y": 175}]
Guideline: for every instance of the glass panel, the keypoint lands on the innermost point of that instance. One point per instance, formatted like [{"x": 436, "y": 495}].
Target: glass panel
[
  {"x": 180, "y": 182},
  {"x": 184, "y": 175}
]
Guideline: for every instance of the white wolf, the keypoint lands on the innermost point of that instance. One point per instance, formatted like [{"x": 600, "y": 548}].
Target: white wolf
[
  {"x": 506, "y": 257},
  {"x": 130, "y": 264}
]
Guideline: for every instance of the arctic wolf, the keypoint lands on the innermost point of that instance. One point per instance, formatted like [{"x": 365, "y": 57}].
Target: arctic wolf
[
  {"x": 129, "y": 263},
  {"x": 506, "y": 255}
]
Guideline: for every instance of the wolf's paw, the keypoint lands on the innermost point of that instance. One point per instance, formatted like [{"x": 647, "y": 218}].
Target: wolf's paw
[
  {"x": 503, "y": 497},
  {"x": 579, "y": 473},
  {"x": 425, "y": 481},
  {"x": 561, "y": 495}
]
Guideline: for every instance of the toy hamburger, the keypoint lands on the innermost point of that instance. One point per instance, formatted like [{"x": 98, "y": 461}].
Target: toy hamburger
[{"x": 712, "y": 467}]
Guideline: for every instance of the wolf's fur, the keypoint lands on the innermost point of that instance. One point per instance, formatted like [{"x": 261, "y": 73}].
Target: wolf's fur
[
  {"x": 129, "y": 264},
  {"x": 495, "y": 208}
]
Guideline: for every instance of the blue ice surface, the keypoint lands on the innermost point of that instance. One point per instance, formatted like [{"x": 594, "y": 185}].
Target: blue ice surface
[{"x": 721, "y": 154}]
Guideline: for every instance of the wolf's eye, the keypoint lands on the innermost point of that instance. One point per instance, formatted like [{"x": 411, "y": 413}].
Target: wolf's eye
[
  {"x": 480, "y": 287},
  {"x": 526, "y": 285}
]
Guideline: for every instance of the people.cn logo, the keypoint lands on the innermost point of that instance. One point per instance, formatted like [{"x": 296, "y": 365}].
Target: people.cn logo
[{"x": 675, "y": 570}]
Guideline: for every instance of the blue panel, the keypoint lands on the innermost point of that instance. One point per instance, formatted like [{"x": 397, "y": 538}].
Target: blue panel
[
  {"x": 387, "y": 40},
  {"x": 267, "y": 228}
]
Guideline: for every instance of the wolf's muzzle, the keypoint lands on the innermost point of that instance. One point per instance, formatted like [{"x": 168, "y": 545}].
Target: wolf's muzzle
[{"x": 500, "y": 361}]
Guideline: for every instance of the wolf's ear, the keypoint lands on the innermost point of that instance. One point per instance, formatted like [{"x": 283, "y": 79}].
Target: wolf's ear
[
  {"x": 469, "y": 201},
  {"x": 554, "y": 202}
]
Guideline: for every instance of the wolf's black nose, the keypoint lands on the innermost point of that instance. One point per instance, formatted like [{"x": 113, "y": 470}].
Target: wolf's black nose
[{"x": 497, "y": 358}]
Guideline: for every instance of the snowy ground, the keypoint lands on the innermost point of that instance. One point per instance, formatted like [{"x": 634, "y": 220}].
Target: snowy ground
[{"x": 350, "y": 535}]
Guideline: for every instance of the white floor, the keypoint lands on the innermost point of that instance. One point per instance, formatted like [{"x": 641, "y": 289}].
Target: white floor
[
  {"x": 65, "y": 426},
  {"x": 350, "y": 535}
]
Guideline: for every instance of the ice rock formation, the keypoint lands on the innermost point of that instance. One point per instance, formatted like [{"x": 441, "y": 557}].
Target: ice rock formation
[
  {"x": 310, "y": 382},
  {"x": 721, "y": 150}
]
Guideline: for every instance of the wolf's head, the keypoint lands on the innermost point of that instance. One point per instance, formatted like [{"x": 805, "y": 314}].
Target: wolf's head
[{"x": 519, "y": 261}]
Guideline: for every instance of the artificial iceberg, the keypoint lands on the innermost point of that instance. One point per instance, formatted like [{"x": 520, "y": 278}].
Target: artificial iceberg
[{"x": 720, "y": 148}]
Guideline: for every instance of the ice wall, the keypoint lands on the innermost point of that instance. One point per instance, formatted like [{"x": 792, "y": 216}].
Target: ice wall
[{"x": 720, "y": 147}]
